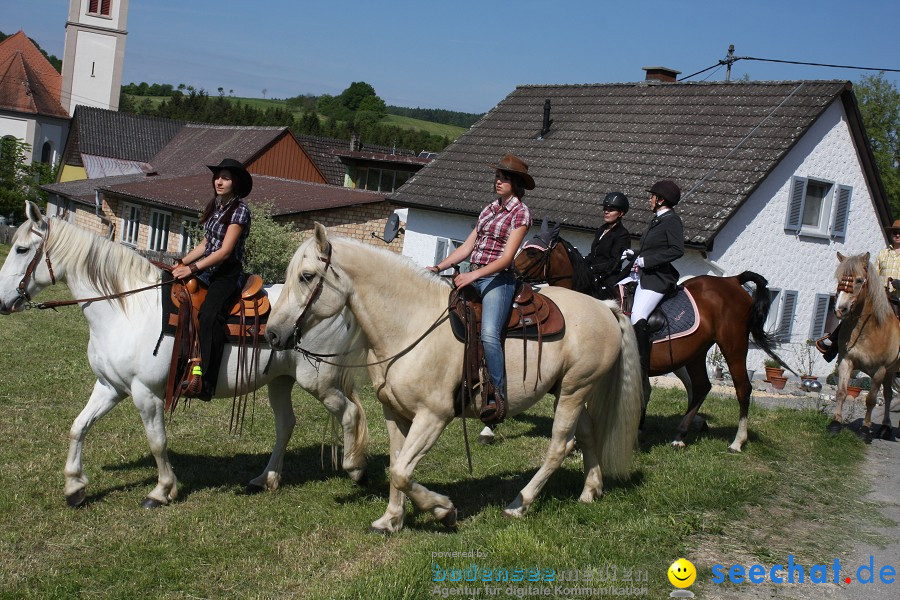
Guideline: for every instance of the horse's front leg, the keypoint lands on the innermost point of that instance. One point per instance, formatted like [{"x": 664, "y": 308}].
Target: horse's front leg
[
  {"x": 152, "y": 410},
  {"x": 845, "y": 368},
  {"x": 352, "y": 417},
  {"x": 886, "y": 431},
  {"x": 102, "y": 400},
  {"x": 564, "y": 422},
  {"x": 283, "y": 411},
  {"x": 871, "y": 398},
  {"x": 392, "y": 519}
]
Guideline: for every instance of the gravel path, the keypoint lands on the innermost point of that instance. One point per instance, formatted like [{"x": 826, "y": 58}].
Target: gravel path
[{"x": 881, "y": 472}]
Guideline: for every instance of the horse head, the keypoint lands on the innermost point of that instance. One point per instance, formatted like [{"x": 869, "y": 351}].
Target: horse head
[
  {"x": 24, "y": 273},
  {"x": 312, "y": 292},
  {"x": 853, "y": 276},
  {"x": 532, "y": 260}
]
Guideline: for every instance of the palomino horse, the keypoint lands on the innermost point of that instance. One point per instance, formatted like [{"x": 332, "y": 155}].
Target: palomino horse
[
  {"x": 124, "y": 332},
  {"x": 415, "y": 365},
  {"x": 728, "y": 316},
  {"x": 869, "y": 339}
]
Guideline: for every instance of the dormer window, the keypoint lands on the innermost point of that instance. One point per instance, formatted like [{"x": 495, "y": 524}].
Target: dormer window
[{"x": 99, "y": 7}]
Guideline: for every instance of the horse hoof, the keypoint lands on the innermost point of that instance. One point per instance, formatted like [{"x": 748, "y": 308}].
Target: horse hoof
[
  {"x": 77, "y": 499},
  {"x": 380, "y": 531},
  {"x": 679, "y": 445},
  {"x": 865, "y": 434},
  {"x": 253, "y": 488},
  {"x": 834, "y": 426},
  {"x": 485, "y": 440},
  {"x": 449, "y": 520},
  {"x": 149, "y": 503}
]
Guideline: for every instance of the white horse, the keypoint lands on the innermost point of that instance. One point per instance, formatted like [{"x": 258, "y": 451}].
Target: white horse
[
  {"x": 124, "y": 332},
  {"x": 593, "y": 365}
]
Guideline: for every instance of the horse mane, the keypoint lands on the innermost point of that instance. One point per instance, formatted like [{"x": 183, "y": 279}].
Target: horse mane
[
  {"x": 856, "y": 266},
  {"x": 582, "y": 281},
  {"x": 109, "y": 267}
]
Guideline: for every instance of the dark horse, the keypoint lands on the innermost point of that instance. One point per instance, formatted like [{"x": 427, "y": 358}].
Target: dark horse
[{"x": 728, "y": 316}]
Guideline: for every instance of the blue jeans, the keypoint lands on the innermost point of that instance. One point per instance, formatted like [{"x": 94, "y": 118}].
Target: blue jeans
[{"x": 497, "y": 292}]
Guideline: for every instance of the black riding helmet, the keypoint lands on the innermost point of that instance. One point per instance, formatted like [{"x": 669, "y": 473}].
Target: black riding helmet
[{"x": 616, "y": 200}]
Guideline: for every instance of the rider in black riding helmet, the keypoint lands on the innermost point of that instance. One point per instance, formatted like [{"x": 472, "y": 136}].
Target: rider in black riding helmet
[{"x": 610, "y": 241}]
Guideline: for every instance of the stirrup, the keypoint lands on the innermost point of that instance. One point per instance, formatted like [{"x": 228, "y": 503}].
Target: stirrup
[
  {"x": 494, "y": 411},
  {"x": 821, "y": 346},
  {"x": 192, "y": 386}
]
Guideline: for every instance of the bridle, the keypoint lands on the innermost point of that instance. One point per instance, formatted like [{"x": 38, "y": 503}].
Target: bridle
[
  {"x": 22, "y": 288},
  {"x": 847, "y": 283},
  {"x": 298, "y": 325}
]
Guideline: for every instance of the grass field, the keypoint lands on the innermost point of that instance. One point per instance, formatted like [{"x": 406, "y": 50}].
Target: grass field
[
  {"x": 786, "y": 493},
  {"x": 450, "y": 131}
]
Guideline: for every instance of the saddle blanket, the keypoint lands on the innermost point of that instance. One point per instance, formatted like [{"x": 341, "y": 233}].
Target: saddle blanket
[{"x": 681, "y": 318}]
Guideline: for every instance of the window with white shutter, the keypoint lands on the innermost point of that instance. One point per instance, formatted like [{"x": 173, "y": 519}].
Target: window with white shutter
[
  {"x": 786, "y": 320},
  {"x": 159, "y": 231},
  {"x": 823, "y": 307},
  {"x": 131, "y": 224}
]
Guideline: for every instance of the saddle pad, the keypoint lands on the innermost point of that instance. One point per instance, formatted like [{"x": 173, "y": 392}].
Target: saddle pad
[
  {"x": 681, "y": 317},
  {"x": 234, "y": 329}
]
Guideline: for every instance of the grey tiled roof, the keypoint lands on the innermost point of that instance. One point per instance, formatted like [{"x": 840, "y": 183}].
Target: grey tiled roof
[
  {"x": 113, "y": 134},
  {"x": 624, "y": 137},
  {"x": 324, "y": 152},
  {"x": 197, "y": 145}
]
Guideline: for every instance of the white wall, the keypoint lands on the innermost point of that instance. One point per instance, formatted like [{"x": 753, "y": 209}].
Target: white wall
[{"x": 92, "y": 82}]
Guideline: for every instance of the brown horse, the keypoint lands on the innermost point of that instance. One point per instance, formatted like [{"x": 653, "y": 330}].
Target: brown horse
[
  {"x": 728, "y": 316},
  {"x": 868, "y": 340}
]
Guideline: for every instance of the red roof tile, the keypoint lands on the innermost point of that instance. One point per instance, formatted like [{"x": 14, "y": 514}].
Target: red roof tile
[{"x": 28, "y": 82}]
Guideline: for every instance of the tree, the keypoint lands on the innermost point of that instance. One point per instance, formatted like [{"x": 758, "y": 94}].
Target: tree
[
  {"x": 879, "y": 103},
  {"x": 270, "y": 245},
  {"x": 20, "y": 181},
  {"x": 353, "y": 96}
]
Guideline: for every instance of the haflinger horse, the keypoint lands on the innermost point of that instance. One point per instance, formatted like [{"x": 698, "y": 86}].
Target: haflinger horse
[
  {"x": 124, "y": 332},
  {"x": 727, "y": 314},
  {"x": 415, "y": 364},
  {"x": 868, "y": 340}
]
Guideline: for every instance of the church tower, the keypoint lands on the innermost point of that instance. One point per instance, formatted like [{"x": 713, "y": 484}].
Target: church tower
[{"x": 94, "y": 53}]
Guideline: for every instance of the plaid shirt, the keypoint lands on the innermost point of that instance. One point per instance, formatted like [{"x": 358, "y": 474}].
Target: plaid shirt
[
  {"x": 215, "y": 229},
  {"x": 495, "y": 223},
  {"x": 888, "y": 264}
]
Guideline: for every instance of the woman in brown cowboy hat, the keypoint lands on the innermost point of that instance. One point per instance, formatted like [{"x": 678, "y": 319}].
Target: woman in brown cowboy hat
[
  {"x": 887, "y": 261},
  {"x": 218, "y": 262},
  {"x": 491, "y": 248}
]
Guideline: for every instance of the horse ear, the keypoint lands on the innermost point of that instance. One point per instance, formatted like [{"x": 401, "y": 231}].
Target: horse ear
[
  {"x": 33, "y": 212},
  {"x": 321, "y": 236},
  {"x": 555, "y": 231},
  {"x": 866, "y": 257},
  {"x": 543, "y": 228},
  {"x": 841, "y": 257}
]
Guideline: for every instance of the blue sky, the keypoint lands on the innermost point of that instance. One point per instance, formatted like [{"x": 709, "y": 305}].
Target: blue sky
[{"x": 468, "y": 55}]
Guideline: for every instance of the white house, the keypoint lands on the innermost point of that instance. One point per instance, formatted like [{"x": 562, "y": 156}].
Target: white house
[{"x": 776, "y": 178}]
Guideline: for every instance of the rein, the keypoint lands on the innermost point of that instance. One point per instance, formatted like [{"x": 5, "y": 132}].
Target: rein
[{"x": 32, "y": 266}]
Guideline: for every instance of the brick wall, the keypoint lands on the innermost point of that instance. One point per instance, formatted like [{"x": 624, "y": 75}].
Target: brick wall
[{"x": 357, "y": 222}]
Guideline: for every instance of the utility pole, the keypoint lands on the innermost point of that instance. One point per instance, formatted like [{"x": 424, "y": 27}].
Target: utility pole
[{"x": 728, "y": 60}]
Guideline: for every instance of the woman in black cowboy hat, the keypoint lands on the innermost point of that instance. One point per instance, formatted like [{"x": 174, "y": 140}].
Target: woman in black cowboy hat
[
  {"x": 610, "y": 242},
  {"x": 491, "y": 248},
  {"x": 218, "y": 262}
]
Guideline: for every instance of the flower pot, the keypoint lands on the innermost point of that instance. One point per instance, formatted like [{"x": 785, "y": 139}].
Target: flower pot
[
  {"x": 778, "y": 381},
  {"x": 853, "y": 391},
  {"x": 774, "y": 371}
]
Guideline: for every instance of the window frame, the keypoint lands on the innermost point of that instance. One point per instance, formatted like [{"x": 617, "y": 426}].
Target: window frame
[
  {"x": 99, "y": 8},
  {"x": 834, "y": 214},
  {"x": 155, "y": 231},
  {"x": 130, "y": 224},
  {"x": 444, "y": 247}
]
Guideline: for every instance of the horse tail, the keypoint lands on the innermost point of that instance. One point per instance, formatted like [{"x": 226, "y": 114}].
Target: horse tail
[
  {"x": 759, "y": 312},
  {"x": 349, "y": 384},
  {"x": 616, "y": 409}
]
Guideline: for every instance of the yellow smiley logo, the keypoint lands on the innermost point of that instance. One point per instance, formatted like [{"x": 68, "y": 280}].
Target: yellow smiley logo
[{"x": 682, "y": 573}]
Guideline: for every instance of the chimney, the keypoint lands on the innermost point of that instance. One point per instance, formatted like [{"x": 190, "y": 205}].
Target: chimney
[
  {"x": 545, "y": 126},
  {"x": 664, "y": 74}
]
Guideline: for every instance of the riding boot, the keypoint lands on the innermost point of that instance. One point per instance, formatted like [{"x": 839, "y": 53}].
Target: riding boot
[
  {"x": 642, "y": 334},
  {"x": 827, "y": 344}
]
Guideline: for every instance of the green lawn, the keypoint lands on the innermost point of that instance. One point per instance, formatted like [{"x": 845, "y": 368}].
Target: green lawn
[{"x": 787, "y": 493}]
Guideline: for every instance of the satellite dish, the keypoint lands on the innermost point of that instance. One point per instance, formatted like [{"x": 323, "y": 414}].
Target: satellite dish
[{"x": 391, "y": 229}]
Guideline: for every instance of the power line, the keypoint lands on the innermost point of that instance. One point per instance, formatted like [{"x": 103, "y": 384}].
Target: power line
[{"x": 731, "y": 59}]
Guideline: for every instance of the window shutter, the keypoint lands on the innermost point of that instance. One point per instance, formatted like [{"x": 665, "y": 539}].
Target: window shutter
[
  {"x": 820, "y": 315},
  {"x": 440, "y": 252},
  {"x": 104, "y": 7},
  {"x": 795, "y": 204},
  {"x": 842, "y": 210},
  {"x": 788, "y": 308},
  {"x": 93, "y": 6}
]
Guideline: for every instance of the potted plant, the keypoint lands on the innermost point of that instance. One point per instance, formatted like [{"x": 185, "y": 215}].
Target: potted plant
[
  {"x": 773, "y": 369},
  {"x": 717, "y": 360},
  {"x": 857, "y": 385},
  {"x": 805, "y": 354}
]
